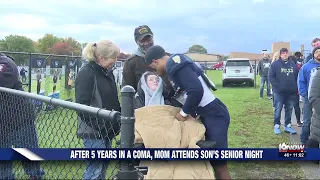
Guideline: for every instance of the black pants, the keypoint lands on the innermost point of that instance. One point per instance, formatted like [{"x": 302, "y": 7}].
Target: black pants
[
  {"x": 297, "y": 109},
  {"x": 38, "y": 87},
  {"x": 216, "y": 118},
  {"x": 54, "y": 87},
  {"x": 23, "y": 79}
]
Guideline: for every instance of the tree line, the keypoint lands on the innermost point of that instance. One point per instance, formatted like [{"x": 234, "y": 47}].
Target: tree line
[
  {"x": 51, "y": 44},
  {"x": 48, "y": 44}
]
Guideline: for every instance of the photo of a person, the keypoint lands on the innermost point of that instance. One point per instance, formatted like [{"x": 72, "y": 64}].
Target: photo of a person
[
  {"x": 70, "y": 81},
  {"x": 23, "y": 75},
  {"x": 150, "y": 89},
  {"x": 55, "y": 79},
  {"x": 39, "y": 80}
]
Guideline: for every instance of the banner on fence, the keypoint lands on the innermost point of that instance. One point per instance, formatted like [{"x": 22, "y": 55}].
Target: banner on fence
[
  {"x": 118, "y": 64},
  {"x": 38, "y": 62},
  {"x": 56, "y": 63},
  {"x": 157, "y": 154},
  {"x": 71, "y": 63}
]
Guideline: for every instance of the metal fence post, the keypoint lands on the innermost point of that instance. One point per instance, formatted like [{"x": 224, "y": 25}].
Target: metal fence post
[
  {"x": 205, "y": 69},
  {"x": 29, "y": 72},
  {"x": 127, "y": 169}
]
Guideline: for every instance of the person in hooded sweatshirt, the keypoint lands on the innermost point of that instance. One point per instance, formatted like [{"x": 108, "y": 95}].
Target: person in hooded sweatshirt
[
  {"x": 150, "y": 90},
  {"x": 135, "y": 65},
  {"x": 263, "y": 69},
  {"x": 300, "y": 61},
  {"x": 283, "y": 78},
  {"x": 299, "y": 57},
  {"x": 303, "y": 84}
]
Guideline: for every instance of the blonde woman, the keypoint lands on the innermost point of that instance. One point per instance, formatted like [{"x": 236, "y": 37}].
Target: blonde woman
[
  {"x": 275, "y": 57},
  {"x": 95, "y": 86}
]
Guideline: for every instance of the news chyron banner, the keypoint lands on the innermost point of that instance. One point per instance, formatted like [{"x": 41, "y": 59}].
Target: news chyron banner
[{"x": 284, "y": 152}]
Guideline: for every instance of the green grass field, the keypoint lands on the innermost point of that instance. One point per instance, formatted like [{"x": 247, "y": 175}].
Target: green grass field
[
  {"x": 251, "y": 127},
  {"x": 47, "y": 87}
]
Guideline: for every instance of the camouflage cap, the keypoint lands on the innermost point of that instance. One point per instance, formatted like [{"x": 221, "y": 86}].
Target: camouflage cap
[{"x": 141, "y": 32}]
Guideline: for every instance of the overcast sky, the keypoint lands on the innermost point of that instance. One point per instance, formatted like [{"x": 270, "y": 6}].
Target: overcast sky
[{"x": 221, "y": 26}]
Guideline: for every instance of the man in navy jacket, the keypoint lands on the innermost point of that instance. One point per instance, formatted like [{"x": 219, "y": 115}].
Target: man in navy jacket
[
  {"x": 283, "y": 78},
  {"x": 17, "y": 127},
  {"x": 199, "y": 99}
]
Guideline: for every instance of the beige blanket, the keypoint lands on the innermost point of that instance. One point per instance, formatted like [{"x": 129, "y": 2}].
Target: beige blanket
[{"x": 156, "y": 127}]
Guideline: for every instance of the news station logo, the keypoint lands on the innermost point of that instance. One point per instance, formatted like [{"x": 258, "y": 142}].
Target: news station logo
[{"x": 291, "y": 148}]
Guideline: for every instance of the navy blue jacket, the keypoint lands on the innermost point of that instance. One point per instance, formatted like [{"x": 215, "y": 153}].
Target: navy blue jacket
[
  {"x": 283, "y": 76},
  {"x": 9, "y": 74},
  {"x": 15, "y": 111},
  {"x": 184, "y": 72}
]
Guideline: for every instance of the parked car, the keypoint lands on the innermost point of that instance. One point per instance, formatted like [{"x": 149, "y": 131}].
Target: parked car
[
  {"x": 218, "y": 66},
  {"x": 238, "y": 71}
]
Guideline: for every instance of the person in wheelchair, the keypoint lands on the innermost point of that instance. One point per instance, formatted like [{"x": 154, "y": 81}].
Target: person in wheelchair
[{"x": 149, "y": 92}]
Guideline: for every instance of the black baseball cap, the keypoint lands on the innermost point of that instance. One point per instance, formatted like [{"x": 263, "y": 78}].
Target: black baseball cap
[
  {"x": 154, "y": 52},
  {"x": 298, "y": 54},
  {"x": 141, "y": 32}
]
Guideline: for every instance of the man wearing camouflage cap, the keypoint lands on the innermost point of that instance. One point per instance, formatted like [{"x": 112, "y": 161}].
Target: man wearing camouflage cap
[{"x": 135, "y": 65}]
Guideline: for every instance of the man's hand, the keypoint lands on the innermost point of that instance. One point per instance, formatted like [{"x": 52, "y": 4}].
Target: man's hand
[{"x": 180, "y": 118}]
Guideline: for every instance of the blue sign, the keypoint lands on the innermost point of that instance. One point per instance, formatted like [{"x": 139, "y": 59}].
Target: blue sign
[
  {"x": 118, "y": 64},
  {"x": 56, "y": 63},
  {"x": 38, "y": 62},
  {"x": 165, "y": 154}
]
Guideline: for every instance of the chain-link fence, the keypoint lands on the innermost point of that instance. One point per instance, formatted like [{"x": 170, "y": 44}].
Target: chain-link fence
[
  {"x": 28, "y": 120},
  {"x": 47, "y": 74},
  {"x": 52, "y": 75}
]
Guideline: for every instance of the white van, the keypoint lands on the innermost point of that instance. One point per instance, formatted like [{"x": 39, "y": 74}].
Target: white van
[{"x": 238, "y": 71}]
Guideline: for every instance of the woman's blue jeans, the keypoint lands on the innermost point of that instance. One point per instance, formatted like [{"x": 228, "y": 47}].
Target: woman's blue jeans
[{"x": 96, "y": 169}]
